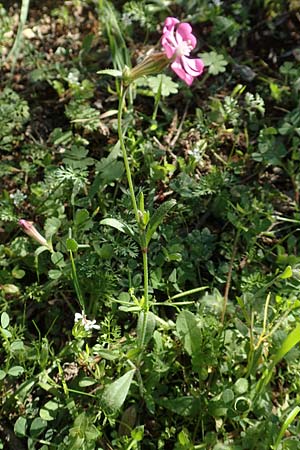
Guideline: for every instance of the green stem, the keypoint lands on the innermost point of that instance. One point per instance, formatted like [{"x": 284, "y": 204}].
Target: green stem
[
  {"x": 122, "y": 95},
  {"x": 146, "y": 298},
  {"x": 76, "y": 282},
  {"x": 142, "y": 233},
  {"x": 146, "y": 280}
]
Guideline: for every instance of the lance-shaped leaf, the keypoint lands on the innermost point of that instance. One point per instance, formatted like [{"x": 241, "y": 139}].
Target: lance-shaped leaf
[
  {"x": 115, "y": 394},
  {"x": 290, "y": 342},
  {"x": 145, "y": 327},
  {"x": 157, "y": 218},
  {"x": 189, "y": 330},
  {"x": 112, "y": 72},
  {"x": 115, "y": 223}
]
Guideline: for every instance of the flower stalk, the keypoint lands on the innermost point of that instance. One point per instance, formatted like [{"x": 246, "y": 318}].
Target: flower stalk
[
  {"x": 122, "y": 96},
  {"x": 177, "y": 42},
  {"x": 137, "y": 213}
]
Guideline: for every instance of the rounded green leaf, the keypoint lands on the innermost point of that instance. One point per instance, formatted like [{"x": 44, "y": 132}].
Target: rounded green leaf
[
  {"x": 18, "y": 273},
  {"x": 227, "y": 395},
  {"x": 10, "y": 289},
  {"x": 37, "y": 426},
  {"x": 20, "y": 427},
  {"x": 241, "y": 386},
  {"x": 15, "y": 371},
  {"x": 54, "y": 274},
  {"x": 4, "y": 320},
  {"x": 17, "y": 346},
  {"x": 287, "y": 273},
  {"x": 72, "y": 245},
  {"x": 58, "y": 259}
]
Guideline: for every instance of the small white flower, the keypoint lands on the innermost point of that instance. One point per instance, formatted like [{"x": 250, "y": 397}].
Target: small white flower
[{"x": 86, "y": 323}]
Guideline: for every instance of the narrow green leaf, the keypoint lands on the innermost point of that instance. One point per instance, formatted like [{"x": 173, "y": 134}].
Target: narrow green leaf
[
  {"x": 114, "y": 223},
  {"x": 145, "y": 327},
  {"x": 290, "y": 342},
  {"x": 86, "y": 381},
  {"x": 112, "y": 72},
  {"x": 157, "y": 218},
  {"x": 110, "y": 355},
  {"x": 189, "y": 331},
  {"x": 22, "y": 392},
  {"x": 115, "y": 394},
  {"x": 292, "y": 415}
]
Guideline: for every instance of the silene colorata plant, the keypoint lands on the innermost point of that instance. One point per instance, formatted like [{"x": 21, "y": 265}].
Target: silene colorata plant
[
  {"x": 177, "y": 43},
  {"x": 133, "y": 367},
  {"x": 193, "y": 332}
]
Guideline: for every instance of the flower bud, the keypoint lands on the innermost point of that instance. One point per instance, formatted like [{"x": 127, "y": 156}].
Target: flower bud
[
  {"x": 151, "y": 65},
  {"x": 31, "y": 231}
]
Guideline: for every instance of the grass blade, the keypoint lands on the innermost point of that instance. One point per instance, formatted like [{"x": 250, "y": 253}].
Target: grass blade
[
  {"x": 292, "y": 415},
  {"x": 290, "y": 341}
]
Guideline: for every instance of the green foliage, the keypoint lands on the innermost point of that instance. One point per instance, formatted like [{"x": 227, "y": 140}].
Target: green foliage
[
  {"x": 14, "y": 113},
  {"x": 172, "y": 322},
  {"x": 216, "y": 63},
  {"x": 162, "y": 84},
  {"x": 115, "y": 394}
]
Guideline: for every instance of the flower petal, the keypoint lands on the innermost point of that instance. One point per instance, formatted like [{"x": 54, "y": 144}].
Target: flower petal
[
  {"x": 78, "y": 317},
  {"x": 178, "y": 41},
  {"x": 177, "y": 67},
  {"x": 192, "y": 66},
  {"x": 184, "y": 33},
  {"x": 168, "y": 46},
  {"x": 169, "y": 24}
]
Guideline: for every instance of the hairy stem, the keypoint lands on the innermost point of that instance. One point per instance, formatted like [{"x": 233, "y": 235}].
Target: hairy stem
[
  {"x": 122, "y": 96},
  {"x": 142, "y": 237}
]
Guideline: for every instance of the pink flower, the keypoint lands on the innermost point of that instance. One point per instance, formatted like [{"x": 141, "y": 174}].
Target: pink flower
[
  {"x": 31, "y": 231},
  {"x": 178, "y": 41}
]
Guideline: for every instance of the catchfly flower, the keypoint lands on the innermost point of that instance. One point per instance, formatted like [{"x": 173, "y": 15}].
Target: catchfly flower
[
  {"x": 178, "y": 41},
  {"x": 85, "y": 322}
]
